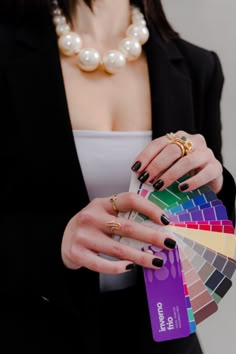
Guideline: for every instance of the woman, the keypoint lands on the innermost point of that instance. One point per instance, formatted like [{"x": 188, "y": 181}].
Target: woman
[{"x": 72, "y": 134}]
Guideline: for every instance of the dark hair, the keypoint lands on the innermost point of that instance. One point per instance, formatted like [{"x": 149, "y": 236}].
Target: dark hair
[{"x": 152, "y": 9}]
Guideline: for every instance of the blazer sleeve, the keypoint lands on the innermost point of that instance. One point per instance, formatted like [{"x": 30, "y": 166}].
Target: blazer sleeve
[
  {"x": 212, "y": 127},
  {"x": 30, "y": 238},
  {"x": 31, "y": 231}
]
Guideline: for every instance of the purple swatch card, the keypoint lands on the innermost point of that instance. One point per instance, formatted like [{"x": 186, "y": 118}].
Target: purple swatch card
[
  {"x": 217, "y": 212},
  {"x": 166, "y": 296}
]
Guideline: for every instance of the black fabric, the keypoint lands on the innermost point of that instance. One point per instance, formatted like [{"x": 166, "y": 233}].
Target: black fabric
[
  {"x": 117, "y": 322},
  {"x": 42, "y": 188}
]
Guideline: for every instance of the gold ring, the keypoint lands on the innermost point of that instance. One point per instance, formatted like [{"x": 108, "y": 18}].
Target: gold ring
[
  {"x": 185, "y": 145},
  {"x": 175, "y": 141},
  {"x": 114, "y": 225},
  {"x": 113, "y": 201},
  {"x": 170, "y": 136},
  {"x": 188, "y": 145}
]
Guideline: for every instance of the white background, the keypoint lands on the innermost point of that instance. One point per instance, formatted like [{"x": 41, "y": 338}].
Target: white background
[{"x": 212, "y": 24}]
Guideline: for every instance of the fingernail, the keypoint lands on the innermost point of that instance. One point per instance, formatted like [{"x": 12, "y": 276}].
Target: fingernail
[
  {"x": 157, "y": 262},
  {"x": 183, "y": 187},
  {"x": 164, "y": 219},
  {"x": 136, "y": 166},
  {"x": 158, "y": 184},
  {"x": 170, "y": 243},
  {"x": 143, "y": 177},
  {"x": 130, "y": 266}
]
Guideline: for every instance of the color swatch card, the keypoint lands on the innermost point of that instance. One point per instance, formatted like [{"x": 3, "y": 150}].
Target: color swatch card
[
  {"x": 217, "y": 241},
  {"x": 217, "y": 212},
  {"x": 203, "y": 304},
  {"x": 201, "y": 299},
  {"x": 210, "y": 225},
  {"x": 216, "y": 282},
  {"x": 225, "y": 265},
  {"x": 206, "y": 247},
  {"x": 168, "y": 310}
]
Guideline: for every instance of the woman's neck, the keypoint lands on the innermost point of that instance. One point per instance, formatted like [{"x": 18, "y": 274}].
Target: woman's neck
[{"x": 107, "y": 22}]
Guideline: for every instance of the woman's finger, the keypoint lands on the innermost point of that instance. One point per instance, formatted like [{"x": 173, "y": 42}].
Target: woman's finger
[
  {"x": 161, "y": 163},
  {"x": 192, "y": 162},
  {"x": 206, "y": 168},
  {"x": 162, "y": 153},
  {"x": 92, "y": 260},
  {"x": 135, "y": 230},
  {"x": 148, "y": 153},
  {"x": 130, "y": 201},
  {"x": 211, "y": 175},
  {"x": 124, "y": 254}
]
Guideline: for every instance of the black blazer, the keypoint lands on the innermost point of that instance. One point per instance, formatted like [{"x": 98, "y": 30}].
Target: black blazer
[{"x": 41, "y": 181}]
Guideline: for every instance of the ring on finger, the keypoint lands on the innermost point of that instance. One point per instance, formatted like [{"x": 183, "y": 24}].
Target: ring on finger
[
  {"x": 175, "y": 141},
  {"x": 114, "y": 225},
  {"x": 184, "y": 143},
  {"x": 114, "y": 205},
  {"x": 188, "y": 145},
  {"x": 171, "y": 136}
]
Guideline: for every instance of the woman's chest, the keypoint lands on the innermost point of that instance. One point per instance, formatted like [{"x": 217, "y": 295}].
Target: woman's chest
[{"x": 99, "y": 101}]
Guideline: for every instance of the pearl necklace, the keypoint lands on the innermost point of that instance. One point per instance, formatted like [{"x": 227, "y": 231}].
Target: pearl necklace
[{"x": 89, "y": 59}]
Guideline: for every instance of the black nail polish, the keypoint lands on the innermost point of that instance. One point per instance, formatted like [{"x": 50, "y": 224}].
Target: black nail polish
[
  {"x": 183, "y": 187},
  {"x": 158, "y": 184},
  {"x": 143, "y": 177},
  {"x": 130, "y": 266},
  {"x": 157, "y": 262},
  {"x": 136, "y": 166},
  {"x": 165, "y": 220},
  {"x": 170, "y": 243}
]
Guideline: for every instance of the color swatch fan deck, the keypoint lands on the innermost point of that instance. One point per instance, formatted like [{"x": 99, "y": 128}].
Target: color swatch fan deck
[{"x": 198, "y": 273}]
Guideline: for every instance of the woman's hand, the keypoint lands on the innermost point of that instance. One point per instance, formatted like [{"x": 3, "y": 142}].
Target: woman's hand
[
  {"x": 90, "y": 233},
  {"x": 160, "y": 163}
]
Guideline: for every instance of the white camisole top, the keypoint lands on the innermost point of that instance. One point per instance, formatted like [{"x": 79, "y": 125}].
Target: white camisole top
[{"x": 106, "y": 158}]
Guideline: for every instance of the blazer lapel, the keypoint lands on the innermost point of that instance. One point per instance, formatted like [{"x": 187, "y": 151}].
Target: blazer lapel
[
  {"x": 38, "y": 94},
  {"x": 171, "y": 92}
]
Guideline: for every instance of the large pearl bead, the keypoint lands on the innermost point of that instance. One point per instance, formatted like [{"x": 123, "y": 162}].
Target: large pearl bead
[
  {"x": 131, "y": 48},
  {"x": 113, "y": 61},
  {"x": 57, "y": 12},
  {"x": 88, "y": 59},
  {"x": 62, "y": 29},
  {"x": 59, "y": 20},
  {"x": 141, "y": 33},
  {"x": 70, "y": 43}
]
